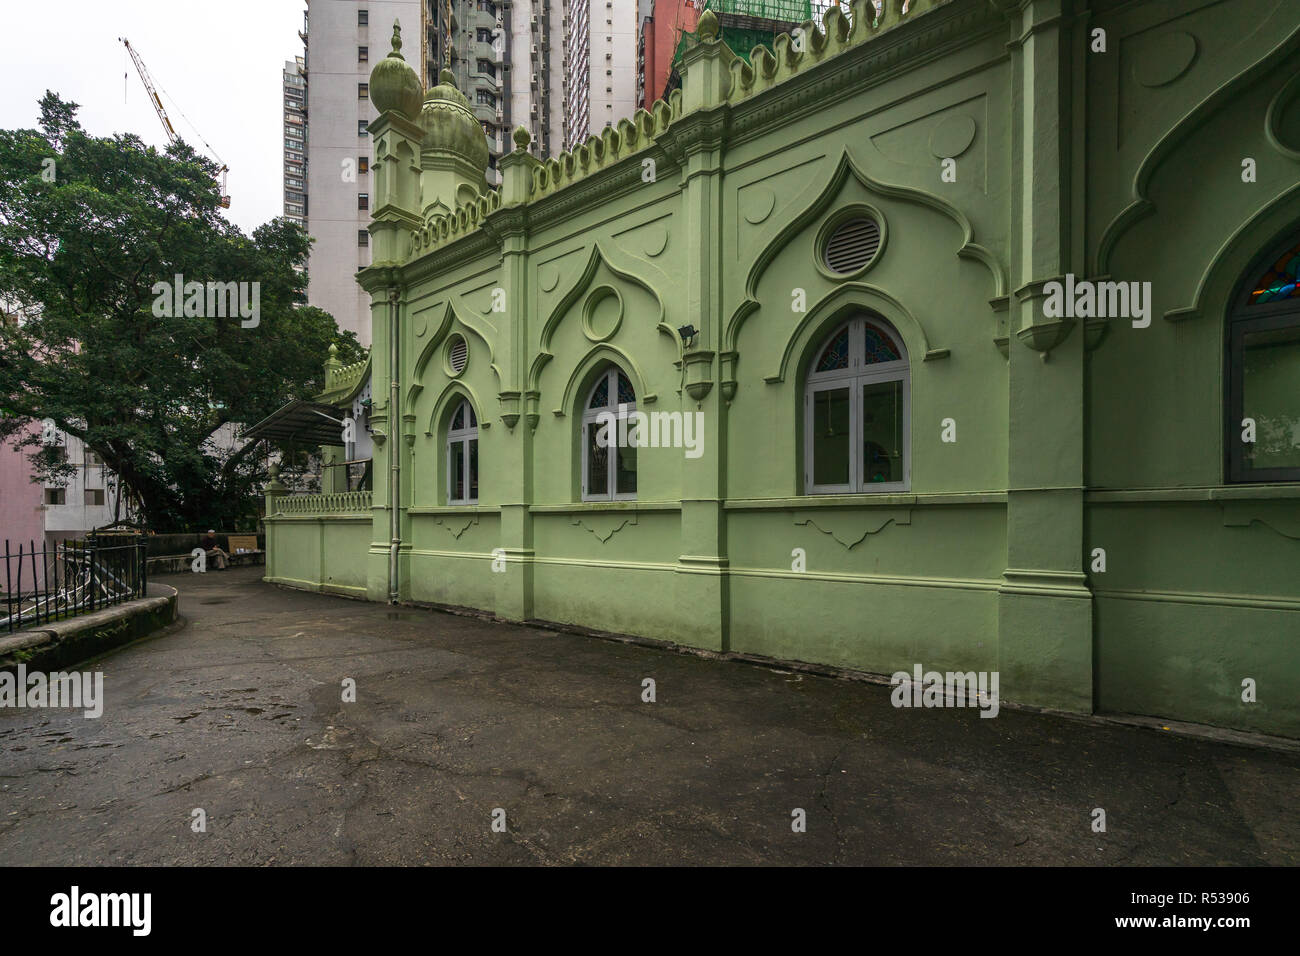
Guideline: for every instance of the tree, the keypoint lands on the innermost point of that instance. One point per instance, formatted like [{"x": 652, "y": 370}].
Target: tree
[{"x": 93, "y": 235}]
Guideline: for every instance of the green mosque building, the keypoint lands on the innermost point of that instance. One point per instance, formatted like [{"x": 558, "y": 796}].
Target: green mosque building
[{"x": 960, "y": 333}]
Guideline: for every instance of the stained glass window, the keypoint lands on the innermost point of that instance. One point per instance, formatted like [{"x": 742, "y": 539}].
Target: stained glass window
[
  {"x": 879, "y": 346},
  {"x": 1281, "y": 281},
  {"x": 836, "y": 355},
  {"x": 600, "y": 397},
  {"x": 625, "y": 394},
  {"x": 458, "y": 420}
]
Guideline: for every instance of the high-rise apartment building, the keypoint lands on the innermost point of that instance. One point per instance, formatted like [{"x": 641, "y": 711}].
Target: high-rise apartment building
[
  {"x": 600, "y": 66},
  {"x": 328, "y": 110},
  {"x": 295, "y": 141}
]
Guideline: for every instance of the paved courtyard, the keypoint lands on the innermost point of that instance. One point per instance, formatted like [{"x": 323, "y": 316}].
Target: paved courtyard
[{"x": 239, "y": 713}]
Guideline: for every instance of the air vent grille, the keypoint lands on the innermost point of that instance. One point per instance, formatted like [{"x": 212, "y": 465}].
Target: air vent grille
[
  {"x": 458, "y": 355},
  {"x": 852, "y": 245}
]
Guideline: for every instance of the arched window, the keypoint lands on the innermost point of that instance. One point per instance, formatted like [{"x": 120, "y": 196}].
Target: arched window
[
  {"x": 856, "y": 407},
  {"x": 462, "y": 456},
  {"x": 1263, "y": 373},
  {"x": 608, "y": 458}
]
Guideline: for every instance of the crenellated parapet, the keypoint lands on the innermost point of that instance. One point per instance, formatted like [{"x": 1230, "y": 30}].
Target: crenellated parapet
[{"x": 453, "y": 200}]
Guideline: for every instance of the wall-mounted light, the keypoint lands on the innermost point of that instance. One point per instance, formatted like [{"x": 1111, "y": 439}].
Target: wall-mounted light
[{"x": 688, "y": 333}]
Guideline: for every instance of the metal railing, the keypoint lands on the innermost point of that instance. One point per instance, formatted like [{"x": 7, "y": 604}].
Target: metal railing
[{"x": 74, "y": 577}]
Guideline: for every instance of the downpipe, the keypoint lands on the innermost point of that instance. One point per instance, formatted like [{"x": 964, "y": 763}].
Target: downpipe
[{"x": 394, "y": 449}]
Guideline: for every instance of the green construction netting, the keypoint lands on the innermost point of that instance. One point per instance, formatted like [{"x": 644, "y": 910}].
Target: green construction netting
[
  {"x": 791, "y": 11},
  {"x": 742, "y": 41}
]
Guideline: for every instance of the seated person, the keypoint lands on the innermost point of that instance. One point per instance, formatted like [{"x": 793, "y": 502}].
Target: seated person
[{"x": 215, "y": 554}]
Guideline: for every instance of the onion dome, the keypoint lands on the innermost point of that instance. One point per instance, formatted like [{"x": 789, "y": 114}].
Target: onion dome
[
  {"x": 450, "y": 125},
  {"x": 393, "y": 84}
]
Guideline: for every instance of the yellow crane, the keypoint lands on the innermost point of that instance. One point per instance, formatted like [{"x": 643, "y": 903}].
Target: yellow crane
[{"x": 158, "y": 107}]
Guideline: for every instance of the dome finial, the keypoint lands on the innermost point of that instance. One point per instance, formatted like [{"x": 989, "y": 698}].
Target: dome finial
[
  {"x": 707, "y": 28},
  {"x": 521, "y": 138},
  {"x": 447, "y": 78},
  {"x": 393, "y": 84}
]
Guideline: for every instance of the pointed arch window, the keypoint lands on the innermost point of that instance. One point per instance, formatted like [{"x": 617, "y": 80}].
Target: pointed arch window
[
  {"x": 857, "y": 403},
  {"x": 1263, "y": 359},
  {"x": 608, "y": 457},
  {"x": 462, "y": 455}
]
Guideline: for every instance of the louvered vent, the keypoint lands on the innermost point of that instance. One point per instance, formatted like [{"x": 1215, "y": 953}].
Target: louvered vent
[
  {"x": 852, "y": 245},
  {"x": 459, "y": 353}
]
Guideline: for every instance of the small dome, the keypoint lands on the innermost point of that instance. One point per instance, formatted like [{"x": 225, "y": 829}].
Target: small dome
[
  {"x": 393, "y": 84},
  {"x": 449, "y": 123}
]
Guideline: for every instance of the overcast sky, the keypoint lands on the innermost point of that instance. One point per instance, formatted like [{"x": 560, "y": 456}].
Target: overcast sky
[{"x": 219, "y": 60}]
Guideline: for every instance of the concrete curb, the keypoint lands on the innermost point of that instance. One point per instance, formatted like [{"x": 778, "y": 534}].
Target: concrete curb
[{"x": 63, "y": 643}]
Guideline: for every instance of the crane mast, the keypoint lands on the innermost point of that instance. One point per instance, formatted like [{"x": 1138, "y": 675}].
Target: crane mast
[{"x": 161, "y": 110}]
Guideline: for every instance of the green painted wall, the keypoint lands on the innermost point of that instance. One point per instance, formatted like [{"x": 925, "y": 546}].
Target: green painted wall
[{"x": 1071, "y": 435}]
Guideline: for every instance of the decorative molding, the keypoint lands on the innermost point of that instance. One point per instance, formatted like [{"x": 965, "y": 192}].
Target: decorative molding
[
  {"x": 845, "y": 168},
  {"x": 850, "y": 529},
  {"x": 1243, "y": 514},
  {"x": 595, "y": 262},
  {"x": 451, "y": 524},
  {"x": 602, "y": 526},
  {"x": 1140, "y": 204},
  {"x": 866, "y": 296}
]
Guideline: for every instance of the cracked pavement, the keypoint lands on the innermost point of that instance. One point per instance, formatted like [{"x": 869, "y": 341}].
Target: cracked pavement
[{"x": 239, "y": 713}]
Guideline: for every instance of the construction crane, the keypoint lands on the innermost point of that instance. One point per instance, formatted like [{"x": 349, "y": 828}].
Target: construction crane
[{"x": 166, "y": 120}]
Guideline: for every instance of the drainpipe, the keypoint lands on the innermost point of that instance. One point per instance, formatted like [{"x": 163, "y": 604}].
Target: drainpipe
[{"x": 394, "y": 448}]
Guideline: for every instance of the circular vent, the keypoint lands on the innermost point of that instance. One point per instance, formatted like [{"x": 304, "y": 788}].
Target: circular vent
[
  {"x": 852, "y": 245},
  {"x": 457, "y": 355}
]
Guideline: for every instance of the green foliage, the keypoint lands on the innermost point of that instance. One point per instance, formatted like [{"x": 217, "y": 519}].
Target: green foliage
[{"x": 83, "y": 240}]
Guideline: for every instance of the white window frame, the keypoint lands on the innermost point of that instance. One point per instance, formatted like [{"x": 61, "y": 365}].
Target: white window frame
[
  {"x": 589, "y": 420},
  {"x": 854, "y": 377},
  {"x": 461, "y": 436}
]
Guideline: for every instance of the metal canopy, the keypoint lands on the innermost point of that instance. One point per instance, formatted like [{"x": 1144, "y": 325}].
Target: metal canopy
[{"x": 301, "y": 421}]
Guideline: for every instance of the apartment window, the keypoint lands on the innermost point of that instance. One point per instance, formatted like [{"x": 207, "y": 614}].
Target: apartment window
[
  {"x": 1263, "y": 358},
  {"x": 363, "y": 91},
  {"x": 363, "y": 237},
  {"x": 487, "y": 68},
  {"x": 363, "y": 200},
  {"x": 363, "y": 54},
  {"x": 462, "y": 456},
  {"x": 483, "y": 36},
  {"x": 95, "y": 496},
  {"x": 54, "y": 496},
  {"x": 486, "y": 99},
  {"x": 361, "y": 127},
  {"x": 856, "y": 407},
  {"x": 363, "y": 18},
  {"x": 363, "y": 164}
]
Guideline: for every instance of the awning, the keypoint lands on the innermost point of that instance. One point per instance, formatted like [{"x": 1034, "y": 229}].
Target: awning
[{"x": 301, "y": 421}]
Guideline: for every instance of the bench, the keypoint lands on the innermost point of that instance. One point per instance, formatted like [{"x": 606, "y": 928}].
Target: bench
[
  {"x": 240, "y": 549},
  {"x": 242, "y": 544}
]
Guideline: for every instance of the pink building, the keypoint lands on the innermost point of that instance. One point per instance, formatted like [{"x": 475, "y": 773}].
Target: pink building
[{"x": 22, "y": 512}]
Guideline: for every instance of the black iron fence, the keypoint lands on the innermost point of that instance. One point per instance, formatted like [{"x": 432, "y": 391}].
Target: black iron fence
[{"x": 69, "y": 578}]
